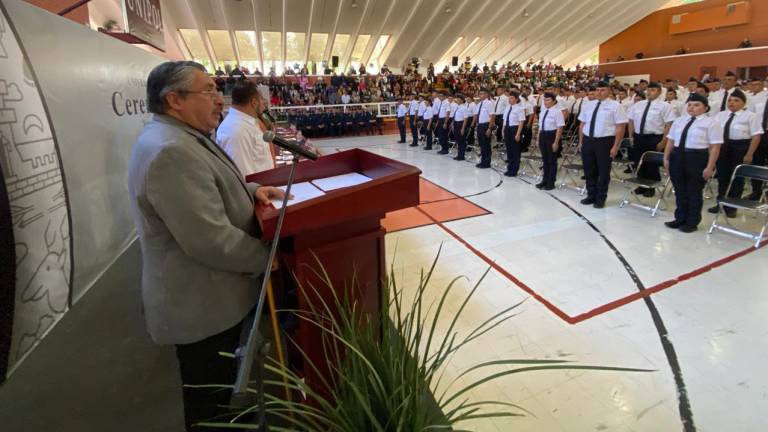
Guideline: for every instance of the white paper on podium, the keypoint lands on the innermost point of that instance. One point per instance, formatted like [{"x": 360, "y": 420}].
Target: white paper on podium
[
  {"x": 301, "y": 192},
  {"x": 340, "y": 181}
]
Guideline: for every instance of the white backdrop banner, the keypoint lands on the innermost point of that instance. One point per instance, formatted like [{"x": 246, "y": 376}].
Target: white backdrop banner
[{"x": 72, "y": 102}]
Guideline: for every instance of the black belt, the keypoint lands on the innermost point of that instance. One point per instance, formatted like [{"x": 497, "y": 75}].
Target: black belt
[
  {"x": 548, "y": 132},
  {"x": 677, "y": 149},
  {"x": 480, "y": 124},
  {"x": 649, "y": 135},
  {"x": 601, "y": 138},
  {"x": 739, "y": 142}
]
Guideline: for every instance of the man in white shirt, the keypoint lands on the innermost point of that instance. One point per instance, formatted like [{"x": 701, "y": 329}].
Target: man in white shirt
[
  {"x": 602, "y": 128},
  {"x": 512, "y": 132},
  {"x": 401, "y": 113},
  {"x": 460, "y": 118},
  {"x": 413, "y": 109},
  {"x": 443, "y": 115},
  {"x": 757, "y": 105},
  {"x": 240, "y": 134},
  {"x": 649, "y": 123},
  {"x": 741, "y": 136},
  {"x": 499, "y": 108},
  {"x": 482, "y": 120}
]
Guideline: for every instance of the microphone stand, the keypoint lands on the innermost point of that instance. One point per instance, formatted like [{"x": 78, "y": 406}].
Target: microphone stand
[{"x": 256, "y": 348}]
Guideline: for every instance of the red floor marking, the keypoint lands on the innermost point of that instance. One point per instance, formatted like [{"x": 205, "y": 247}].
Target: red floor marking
[{"x": 608, "y": 306}]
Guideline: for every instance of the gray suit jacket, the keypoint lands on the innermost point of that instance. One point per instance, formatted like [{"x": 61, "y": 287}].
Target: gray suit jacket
[{"x": 200, "y": 244}]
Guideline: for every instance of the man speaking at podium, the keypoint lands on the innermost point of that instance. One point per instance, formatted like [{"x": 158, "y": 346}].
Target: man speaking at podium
[{"x": 201, "y": 252}]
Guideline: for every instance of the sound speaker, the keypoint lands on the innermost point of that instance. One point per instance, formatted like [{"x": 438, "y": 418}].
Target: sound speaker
[
  {"x": 335, "y": 61},
  {"x": 455, "y": 61}
]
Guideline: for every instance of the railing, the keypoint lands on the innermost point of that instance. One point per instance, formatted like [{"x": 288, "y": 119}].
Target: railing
[{"x": 382, "y": 109}]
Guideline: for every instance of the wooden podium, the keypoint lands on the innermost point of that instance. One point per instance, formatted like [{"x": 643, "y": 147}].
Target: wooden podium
[{"x": 341, "y": 228}]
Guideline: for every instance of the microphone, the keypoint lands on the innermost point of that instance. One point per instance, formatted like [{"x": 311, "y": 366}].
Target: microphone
[{"x": 290, "y": 145}]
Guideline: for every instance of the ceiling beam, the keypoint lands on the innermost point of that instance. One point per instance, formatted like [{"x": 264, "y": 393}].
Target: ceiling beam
[
  {"x": 561, "y": 35},
  {"x": 257, "y": 31},
  {"x": 203, "y": 32},
  {"x": 283, "y": 36},
  {"x": 353, "y": 40},
  {"x": 517, "y": 16},
  {"x": 449, "y": 25},
  {"x": 230, "y": 32},
  {"x": 375, "y": 39},
  {"x": 332, "y": 36},
  {"x": 546, "y": 25},
  {"x": 463, "y": 31},
  {"x": 395, "y": 38},
  {"x": 522, "y": 30},
  {"x": 308, "y": 34},
  {"x": 426, "y": 26}
]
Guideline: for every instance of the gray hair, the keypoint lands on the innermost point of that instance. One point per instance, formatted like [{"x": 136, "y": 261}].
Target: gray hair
[{"x": 167, "y": 77}]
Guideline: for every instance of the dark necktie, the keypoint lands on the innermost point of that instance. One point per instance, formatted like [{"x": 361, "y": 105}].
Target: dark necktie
[
  {"x": 544, "y": 120},
  {"x": 578, "y": 110},
  {"x": 509, "y": 115},
  {"x": 765, "y": 116},
  {"x": 594, "y": 120},
  {"x": 480, "y": 110},
  {"x": 684, "y": 135},
  {"x": 727, "y": 128},
  {"x": 725, "y": 99},
  {"x": 645, "y": 116}
]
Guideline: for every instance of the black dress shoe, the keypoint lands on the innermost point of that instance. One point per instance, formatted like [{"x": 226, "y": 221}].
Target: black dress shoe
[
  {"x": 587, "y": 201},
  {"x": 443, "y": 152},
  {"x": 459, "y": 158},
  {"x": 715, "y": 209},
  {"x": 598, "y": 204},
  {"x": 583, "y": 177},
  {"x": 649, "y": 193},
  {"x": 540, "y": 186},
  {"x": 688, "y": 228},
  {"x": 510, "y": 174},
  {"x": 482, "y": 166},
  {"x": 673, "y": 224},
  {"x": 548, "y": 187},
  {"x": 730, "y": 212},
  {"x": 428, "y": 148},
  {"x": 401, "y": 142},
  {"x": 413, "y": 145}
]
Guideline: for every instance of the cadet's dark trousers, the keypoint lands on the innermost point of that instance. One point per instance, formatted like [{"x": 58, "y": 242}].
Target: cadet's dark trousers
[
  {"x": 548, "y": 157},
  {"x": 513, "y": 149},
  {"x": 401, "y": 127},
  {"x": 526, "y": 136},
  {"x": 200, "y": 363},
  {"x": 461, "y": 142},
  {"x": 596, "y": 157},
  {"x": 732, "y": 154},
  {"x": 470, "y": 135},
  {"x": 499, "y": 118},
  {"x": 685, "y": 170},
  {"x": 414, "y": 131},
  {"x": 485, "y": 144},
  {"x": 642, "y": 144},
  {"x": 760, "y": 158},
  {"x": 428, "y": 133},
  {"x": 442, "y": 135}
]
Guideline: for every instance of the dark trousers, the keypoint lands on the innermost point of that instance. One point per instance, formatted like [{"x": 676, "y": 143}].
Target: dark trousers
[
  {"x": 429, "y": 139},
  {"x": 200, "y": 363},
  {"x": 485, "y": 144},
  {"x": 596, "y": 157},
  {"x": 645, "y": 143},
  {"x": 685, "y": 170},
  {"x": 414, "y": 130},
  {"x": 499, "y": 120},
  {"x": 513, "y": 149},
  {"x": 470, "y": 135},
  {"x": 760, "y": 158},
  {"x": 401, "y": 127},
  {"x": 731, "y": 155},
  {"x": 548, "y": 157},
  {"x": 527, "y": 135},
  {"x": 461, "y": 143},
  {"x": 442, "y": 134}
]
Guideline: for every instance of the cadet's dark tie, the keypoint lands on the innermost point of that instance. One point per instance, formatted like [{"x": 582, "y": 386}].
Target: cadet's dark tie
[
  {"x": 594, "y": 119},
  {"x": 645, "y": 116},
  {"x": 684, "y": 135},
  {"x": 578, "y": 110},
  {"x": 509, "y": 115},
  {"x": 765, "y": 116},
  {"x": 727, "y": 128},
  {"x": 544, "y": 120},
  {"x": 725, "y": 99}
]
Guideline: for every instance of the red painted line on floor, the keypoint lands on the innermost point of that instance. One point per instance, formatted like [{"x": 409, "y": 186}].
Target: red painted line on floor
[{"x": 608, "y": 306}]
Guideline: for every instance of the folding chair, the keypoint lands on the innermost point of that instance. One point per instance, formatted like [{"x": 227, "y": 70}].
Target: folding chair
[
  {"x": 571, "y": 167},
  {"x": 760, "y": 207},
  {"x": 531, "y": 163},
  {"x": 622, "y": 161},
  {"x": 658, "y": 186}
]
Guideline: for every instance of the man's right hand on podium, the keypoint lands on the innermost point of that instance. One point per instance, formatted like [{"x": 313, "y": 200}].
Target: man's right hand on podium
[{"x": 265, "y": 194}]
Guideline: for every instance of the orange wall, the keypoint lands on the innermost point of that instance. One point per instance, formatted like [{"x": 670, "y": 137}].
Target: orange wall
[
  {"x": 683, "y": 67},
  {"x": 79, "y": 15},
  {"x": 651, "y": 34}
]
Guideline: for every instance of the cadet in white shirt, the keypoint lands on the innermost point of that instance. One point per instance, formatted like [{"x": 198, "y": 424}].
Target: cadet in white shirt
[
  {"x": 413, "y": 109},
  {"x": 460, "y": 119},
  {"x": 443, "y": 114},
  {"x": 512, "y": 132},
  {"x": 757, "y": 106},
  {"x": 499, "y": 107},
  {"x": 472, "y": 113},
  {"x": 483, "y": 119},
  {"x": 581, "y": 98},
  {"x": 675, "y": 103},
  {"x": 551, "y": 123},
  {"x": 427, "y": 116},
  {"x": 729, "y": 85},
  {"x": 602, "y": 127},
  {"x": 741, "y": 136},
  {"x": 649, "y": 123},
  {"x": 693, "y": 146},
  {"x": 420, "y": 117},
  {"x": 401, "y": 113},
  {"x": 240, "y": 134}
]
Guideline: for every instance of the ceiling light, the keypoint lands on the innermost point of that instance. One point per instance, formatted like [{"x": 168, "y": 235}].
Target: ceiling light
[
  {"x": 525, "y": 13},
  {"x": 354, "y": 3},
  {"x": 448, "y": 10}
]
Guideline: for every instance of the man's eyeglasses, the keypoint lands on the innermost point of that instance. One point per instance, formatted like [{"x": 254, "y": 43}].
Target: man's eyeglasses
[{"x": 212, "y": 94}]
